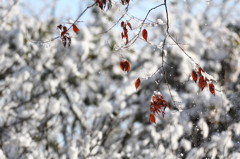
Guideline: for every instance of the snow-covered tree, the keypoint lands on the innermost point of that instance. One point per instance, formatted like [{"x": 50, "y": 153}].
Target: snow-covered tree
[{"x": 81, "y": 101}]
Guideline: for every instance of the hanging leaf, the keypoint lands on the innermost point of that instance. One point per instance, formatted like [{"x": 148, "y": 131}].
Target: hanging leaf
[
  {"x": 122, "y": 24},
  {"x": 152, "y": 118},
  {"x": 145, "y": 34},
  {"x": 126, "y": 41},
  {"x": 64, "y": 40},
  {"x": 100, "y": 4},
  {"x": 212, "y": 89},
  {"x": 200, "y": 70},
  {"x": 69, "y": 41},
  {"x": 104, "y": 4},
  {"x": 75, "y": 29},
  {"x": 64, "y": 31},
  {"x": 125, "y": 32},
  {"x": 202, "y": 82},
  {"x": 125, "y": 65},
  {"x": 163, "y": 113},
  {"x": 65, "y": 37},
  {"x": 137, "y": 83},
  {"x": 129, "y": 25},
  {"x": 122, "y": 35},
  {"x": 194, "y": 76},
  {"x": 125, "y": 2},
  {"x": 59, "y": 27}
]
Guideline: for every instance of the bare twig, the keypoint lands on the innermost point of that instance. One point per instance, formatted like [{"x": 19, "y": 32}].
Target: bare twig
[
  {"x": 179, "y": 46},
  {"x": 126, "y": 10},
  {"x": 2, "y": 18},
  {"x": 133, "y": 40},
  {"x": 57, "y": 37}
]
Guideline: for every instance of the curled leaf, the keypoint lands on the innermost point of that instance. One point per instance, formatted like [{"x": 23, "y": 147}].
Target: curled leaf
[
  {"x": 212, "y": 88},
  {"x": 194, "y": 76},
  {"x": 163, "y": 113},
  {"x": 64, "y": 31},
  {"x": 126, "y": 41},
  {"x": 202, "y": 82},
  {"x": 122, "y": 24},
  {"x": 125, "y": 2},
  {"x": 100, "y": 4},
  {"x": 152, "y": 118},
  {"x": 145, "y": 34},
  {"x": 125, "y": 32},
  {"x": 122, "y": 35},
  {"x": 125, "y": 65},
  {"x": 64, "y": 28},
  {"x": 137, "y": 83},
  {"x": 129, "y": 25},
  {"x": 65, "y": 37},
  {"x": 64, "y": 40},
  {"x": 69, "y": 41},
  {"x": 104, "y": 3},
  {"x": 200, "y": 70},
  {"x": 75, "y": 29}
]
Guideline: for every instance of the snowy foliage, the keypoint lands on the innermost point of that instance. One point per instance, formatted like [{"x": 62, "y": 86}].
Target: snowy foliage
[{"x": 76, "y": 102}]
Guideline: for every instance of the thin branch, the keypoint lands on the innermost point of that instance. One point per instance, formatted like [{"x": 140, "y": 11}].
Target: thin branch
[
  {"x": 84, "y": 127},
  {"x": 164, "y": 72},
  {"x": 133, "y": 40},
  {"x": 163, "y": 49},
  {"x": 81, "y": 15},
  {"x": 43, "y": 42},
  {"x": 126, "y": 10},
  {"x": 179, "y": 46},
  {"x": 146, "y": 18},
  {"x": 2, "y": 18}
]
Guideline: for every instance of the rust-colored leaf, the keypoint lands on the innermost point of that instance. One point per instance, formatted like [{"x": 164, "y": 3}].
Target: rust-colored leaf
[
  {"x": 137, "y": 83},
  {"x": 194, "y": 76},
  {"x": 163, "y": 113},
  {"x": 64, "y": 31},
  {"x": 212, "y": 88},
  {"x": 122, "y": 35},
  {"x": 125, "y": 2},
  {"x": 64, "y": 28},
  {"x": 126, "y": 40},
  {"x": 152, "y": 118},
  {"x": 69, "y": 41},
  {"x": 100, "y": 4},
  {"x": 125, "y": 35},
  {"x": 104, "y": 4},
  {"x": 129, "y": 25},
  {"x": 64, "y": 40},
  {"x": 122, "y": 24},
  {"x": 75, "y": 29},
  {"x": 125, "y": 31},
  {"x": 200, "y": 70},
  {"x": 202, "y": 82},
  {"x": 145, "y": 34},
  {"x": 125, "y": 65}
]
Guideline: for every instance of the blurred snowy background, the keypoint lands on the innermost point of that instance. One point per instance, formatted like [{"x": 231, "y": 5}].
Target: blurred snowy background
[{"x": 75, "y": 102}]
